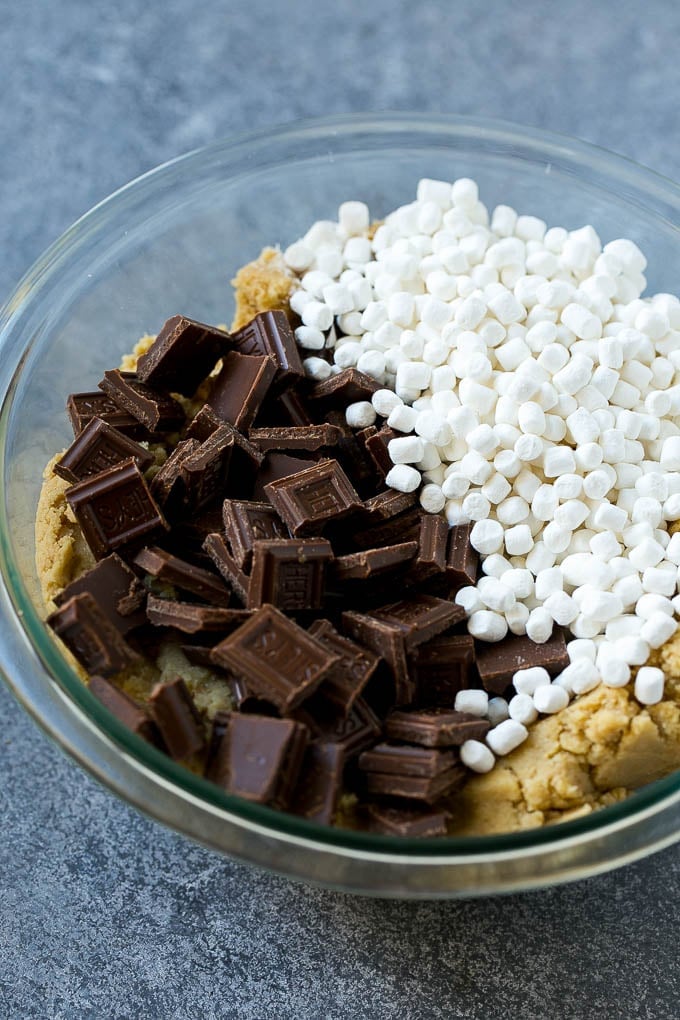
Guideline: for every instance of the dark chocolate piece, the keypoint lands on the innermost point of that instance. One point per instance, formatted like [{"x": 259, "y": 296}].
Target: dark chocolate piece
[
  {"x": 157, "y": 411},
  {"x": 318, "y": 789},
  {"x": 177, "y": 717},
  {"x": 462, "y": 561},
  {"x": 205, "y": 470},
  {"x": 116, "y": 589},
  {"x": 115, "y": 509},
  {"x": 245, "y": 523},
  {"x": 375, "y": 441},
  {"x": 424, "y": 788},
  {"x": 269, "y": 334},
  {"x": 406, "y": 760},
  {"x": 410, "y": 822},
  {"x": 99, "y": 446},
  {"x": 403, "y": 527},
  {"x": 293, "y": 407},
  {"x": 83, "y": 407},
  {"x": 239, "y": 389},
  {"x": 436, "y": 727},
  {"x": 217, "y": 550},
  {"x": 389, "y": 504},
  {"x": 498, "y": 662},
  {"x": 345, "y": 388},
  {"x": 167, "y": 487},
  {"x": 259, "y": 757},
  {"x": 203, "y": 424},
  {"x": 127, "y": 711},
  {"x": 275, "y": 466},
  {"x": 353, "y": 456},
  {"x": 312, "y": 498},
  {"x": 87, "y": 633},
  {"x": 355, "y": 667},
  {"x": 184, "y": 575},
  {"x": 182, "y": 355},
  {"x": 307, "y": 437},
  {"x": 432, "y": 544},
  {"x": 289, "y": 573},
  {"x": 354, "y": 732},
  {"x": 442, "y": 667},
  {"x": 192, "y": 618},
  {"x": 387, "y": 641},
  {"x": 420, "y": 618},
  {"x": 362, "y": 566},
  {"x": 276, "y": 658}
]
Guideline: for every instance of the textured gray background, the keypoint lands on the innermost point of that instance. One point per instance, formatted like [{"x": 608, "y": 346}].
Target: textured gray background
[{"x": 102, "y": 913}]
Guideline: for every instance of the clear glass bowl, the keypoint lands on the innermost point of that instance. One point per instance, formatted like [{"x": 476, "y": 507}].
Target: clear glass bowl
[{"x": 170, "y": 242}]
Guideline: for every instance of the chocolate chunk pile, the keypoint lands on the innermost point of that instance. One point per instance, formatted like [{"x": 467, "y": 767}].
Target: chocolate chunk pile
[{"x": 270, "y": 549}]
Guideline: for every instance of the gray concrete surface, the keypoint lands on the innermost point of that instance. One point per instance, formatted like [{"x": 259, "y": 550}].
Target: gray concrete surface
[{"x": 102, "y": 913}]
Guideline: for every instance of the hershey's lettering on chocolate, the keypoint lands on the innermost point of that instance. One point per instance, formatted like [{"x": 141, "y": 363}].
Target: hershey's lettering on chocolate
[
  {"x": 247, "y": 522},
  {"x": 83, "y": 407},
  {"x": 99, "y": 446},
  {"x": 289, "y": 573},
  {"x": 311, "y": 498}
]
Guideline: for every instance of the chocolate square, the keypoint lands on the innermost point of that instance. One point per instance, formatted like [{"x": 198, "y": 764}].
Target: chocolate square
[{"x": 309, "y": 499}]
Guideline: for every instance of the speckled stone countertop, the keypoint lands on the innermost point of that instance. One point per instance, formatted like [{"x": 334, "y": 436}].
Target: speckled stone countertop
[{"x": 103, "y": 914}]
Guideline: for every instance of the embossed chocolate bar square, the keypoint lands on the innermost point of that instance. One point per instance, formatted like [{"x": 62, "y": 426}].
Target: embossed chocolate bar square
[
  {"x": 289, "y": 573},
  {"x": 311, "y": 498}
]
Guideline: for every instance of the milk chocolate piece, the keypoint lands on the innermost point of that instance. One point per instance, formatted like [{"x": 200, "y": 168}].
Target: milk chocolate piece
[
  {"x": 362, "y": 566},
  {"x": 203, "y": 424},
  {"x": 157, "y": 411},
  {"x": 443, "y": 667},
  {"x": 116, "y": 589},
  {"x": 127, "y": 711},
  {"x": 276, "y": 658},
  {"x": 312, "y": 498},
  {"x": 462, "y": 561},
  {"x": 354, "y": 732},
  {"x": 389, "y": 504},
  {"x": 167, "y": 487},
  {"x": 318, "y": 788},
  {"x": 387, "y": 641},
  {"x": 420, "y": 618},
  {"x": 498, "y": 662},
  {"x": 410, "y": 822},
  {"x": 345, "y": 388},
  {"x": 115, "y": 509},
  {"x": 406, "y": 760},
  {"x": 403, "y": 527},
  {"x": 376, "y": 441},
  {"x": 289, "y": 573},
  {"x": 259, "y": 758},
  {"x": 182, "y": 355},
  {"x": 83, "y": 407},
  {"x": 435, "y": 727},
  {"x": 269, "y": 334},
  {"x": 192, "y": 618},
  {"x": 355, "y": 666},
  {"x": 241, "y": 386},
  {"x": 275, "y": 466},
  {"x": 291, "y": 407},
  {"x": 423, "y": 788},
  {"x": 307, "y": 437},
  {"x": 217, "y": 550},
  {"x": 177, "y": 718},
  {"x": 205, "y": 470},
  {"x": 247, "y": 522},
  {"x": 430, "y": 560},
  {"x": 182, "y": 574},
  {"x": 91, "y": 637},
  {"x": 99, "y": 446}
]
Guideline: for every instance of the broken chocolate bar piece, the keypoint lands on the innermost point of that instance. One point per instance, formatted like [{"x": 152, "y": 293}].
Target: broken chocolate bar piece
[
  {"x": 116, "y": 589},
  {"x": 203, "y": 424},
  {"x": 340, "y": 390},
  {"x": 443, "y": 667},
  {"x": 239, "y": 389},
  {"x": 310, "y": 499},
  {"x": 83, "y": 407},
  {"x": 370, "y": 563},
  {"x": 289, "y": 573},
  {"x": 127, "y": 711},
  {"x": 183, "y": 354},
  {"x": 99, "y": 446},
  {"x": 276, "y": 658},
  {"x": 462, "y": 561},
  {"x": 167, "y": 487},
  {"x": 410, "y": 822},
  {"x": 115, "y": 509},
  {"x": 389, "y": 504},
  {"x": 217, "y": 550},
  {"x": 247, "y": 522},
  {"x": 269, "y": 334},
  {"x": 420, "y": 618},
  {"x": 422, "y": 788},
  {"x": 178, "y": 719},
  {"x": 205, "y": 470},
  {"x": 88, "y": 634},
  {"x": 308, "y": 437},
  {"x": 496, "y": 663},
  {"x": 375, "y": 441},
  {"x": 258, "y": 757},
  {"x": 387, "y": 641},
  {"x": 157, "y": 411},
  {"x": 182, "y": 574},
  {"x": 318, "y": 788},
  {"x": 435, "y": 727},
  {"x": 430, "y": 560},
  {"x": 354, "y": 731},
  {"x": 192, "y": 618},
  {"x": 406, "y": 760},
  {"x": 275, "y": 466},
  {"x": 355, "y": 666}
]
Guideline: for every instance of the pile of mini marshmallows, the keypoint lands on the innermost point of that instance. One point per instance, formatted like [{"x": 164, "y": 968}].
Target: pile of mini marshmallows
[{"x": 536, "y": 394}]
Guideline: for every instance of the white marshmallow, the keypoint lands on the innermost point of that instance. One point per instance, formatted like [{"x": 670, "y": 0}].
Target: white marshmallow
[
  {"x": 550, "y": 698},
  {"x": 477, "y": 756},
  {"x": 649, "y": 684},
  {"x": 505, "y": 737},
  {"x": 472, "y": 701}
]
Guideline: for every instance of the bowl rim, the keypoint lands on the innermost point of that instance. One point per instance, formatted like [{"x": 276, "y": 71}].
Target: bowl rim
[{"x": 95, "y": 722}]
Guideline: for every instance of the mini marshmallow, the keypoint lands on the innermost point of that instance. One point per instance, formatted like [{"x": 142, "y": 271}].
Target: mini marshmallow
[
  {"x": 522, "y": 709},
  {"x": 649, "y": 684},
  {"x": 550, "y": 698},
  {"x": 497, "y": 711},
  {"x": 486, "y": 537},
  {"x": 403, "y": 478},
  {"x": 527, "y": 681},
  {"x": 658, "y": 628},
  {"x": 495, "y": 595},
  {"x": 472, "y": 701},
  {"x": 487, "y": 625},
  {"x": 362, "y": 414},
  {"x": 408, "y": 450},
  {"x": 505, "y": 737},
  {"x": 539, "y": 625},
  {"x": 477, "y": 756}
]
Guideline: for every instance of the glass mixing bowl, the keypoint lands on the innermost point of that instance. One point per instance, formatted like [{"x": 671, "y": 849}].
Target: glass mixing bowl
[{"x": 170, "y": 242}]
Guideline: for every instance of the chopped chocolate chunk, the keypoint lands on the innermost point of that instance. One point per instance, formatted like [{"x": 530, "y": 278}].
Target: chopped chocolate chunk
[
  {"x": 177, "y": 717},
  {"x": 88, "y": 634},
  {"x": 167, "y": 487},
  {"x": 355, "y": 666},
  {"x": 259, "y": 758},
  {"x": 410, "y": 822},
  {"x": 276, "y": 658},
  {"x": 432, "y": 543},
  {"x": 182, "y": 355},
  {"x": 116, "y": 589},
  {"x": 442, "y": 667},
  {"x": 275, "y": 466},
  {"x": 127, "y": 711},
  {"x": 404, "y": 527},
  {"x": 83, "y": 407},
  {"x": 217, "y": 550},
  {"x": 406, "y": 760},
  {"x": 239, "y": 389},
  {"x": 205, "y": 470},
  {"x": 354, "y": 731},
  {"x": 269, "y": 333},
  {"x": 311, "y": 498},
  {"x": 115, "y": 509},
  {"x": 420, "y": 618},
  {"x": 289, "y": 407},
  {"x": 462, "y": 561},
  {"x": 99, "y": 446},
  {"x": 498, "y": 662},
  {"x": 245, "y": 523},
  {"x": 203, "y": 424},
  {"x": 435, "y": 727},
  {"x": 387, "y": 641},
  {"x": 182, "y": 574},
  {"x": 345, "y": 388},
  {"x": 306, "y": 437},
  {"x": 188, "y": 535},
  {"x": 157, "y": 411},
  {"x": 289, "y": 573},
  {"x": 192, "y": 618},
  {"x": 389, "y": 504},
  {"x": 354, "y": 458},
  {"x": 424, "y": 788},
  {"x": 318, "y": 788},
  {"x": 373, "y": 562},
  {"x": 375, "y": 441}
]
